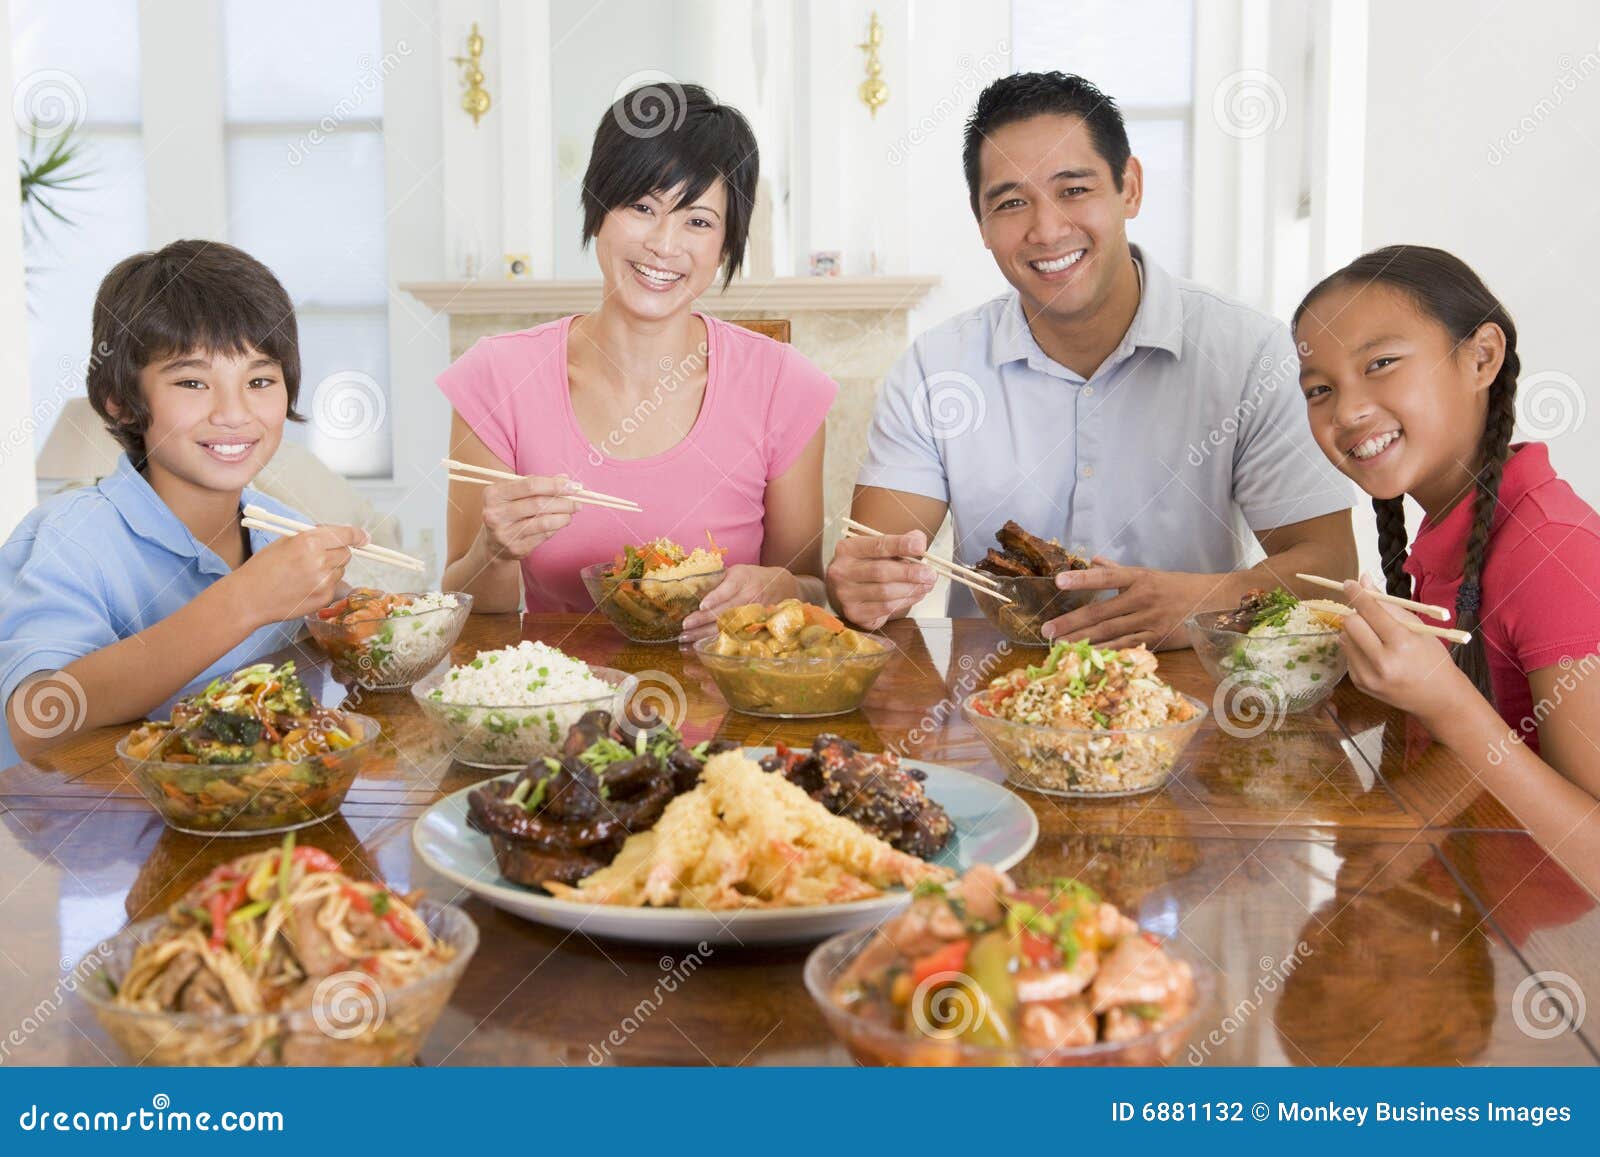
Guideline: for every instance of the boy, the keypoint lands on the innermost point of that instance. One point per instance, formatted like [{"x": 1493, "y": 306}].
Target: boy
[{"x": 116, "y": 598}]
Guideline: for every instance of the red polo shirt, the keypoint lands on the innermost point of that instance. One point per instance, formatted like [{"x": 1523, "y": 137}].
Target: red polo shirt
[{"x": 1540, "y": 582}]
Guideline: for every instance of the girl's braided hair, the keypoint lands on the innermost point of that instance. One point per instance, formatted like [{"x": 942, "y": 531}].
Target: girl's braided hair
[{"x": 1446, "y": 289}]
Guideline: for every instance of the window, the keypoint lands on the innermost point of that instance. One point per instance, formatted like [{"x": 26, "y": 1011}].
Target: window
[
  {"x": 303, "y": 107},
  {"x": 89, "y": 85},
  {"x": 1147, "y": 65}
]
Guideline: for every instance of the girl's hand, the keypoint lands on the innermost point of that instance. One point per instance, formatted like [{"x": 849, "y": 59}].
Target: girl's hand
[
  {"x": 744, "y": 583},
  {"x": 518, "y": 516},
  {"x": 1412, "y": 672},
  {"x": 296, "y": 574}
]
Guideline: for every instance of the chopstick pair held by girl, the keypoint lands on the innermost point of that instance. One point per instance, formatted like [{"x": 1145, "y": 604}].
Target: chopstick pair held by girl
[
  {"x": 1409, "y": 369},
  {"x": 116, "y": 597}
]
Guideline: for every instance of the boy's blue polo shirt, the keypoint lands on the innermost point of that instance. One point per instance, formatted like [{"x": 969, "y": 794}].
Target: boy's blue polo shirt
[{"x": 93, "y": 566}]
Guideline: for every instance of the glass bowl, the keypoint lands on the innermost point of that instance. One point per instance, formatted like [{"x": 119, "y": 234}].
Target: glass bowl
[
  {"x": 353, "y": 1026},
  {"x": 251, "y": 799},
  {"x": 1085, "y": 761},
  {"x": 1292, "y": 672},
  {"x": 508, "y": 738},
  {"x": 875, "y": 1043},
  {"x": 796, "y": 687},
  {"x": 392, "y": 653},
  {"x": 1034, "y": 602},
  {"x": 647, "y": 610}
]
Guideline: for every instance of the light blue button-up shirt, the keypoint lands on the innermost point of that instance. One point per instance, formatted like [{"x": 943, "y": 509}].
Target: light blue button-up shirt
[
  {"x": 1190, "y": 436},
  {"x": 90, "y": 567}
]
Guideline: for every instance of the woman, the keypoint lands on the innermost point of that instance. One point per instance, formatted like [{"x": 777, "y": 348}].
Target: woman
[{"x": 710, "y": 428}]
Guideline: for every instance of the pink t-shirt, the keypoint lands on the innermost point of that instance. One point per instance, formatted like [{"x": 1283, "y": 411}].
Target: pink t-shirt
[{"x": 763, "y": 402}]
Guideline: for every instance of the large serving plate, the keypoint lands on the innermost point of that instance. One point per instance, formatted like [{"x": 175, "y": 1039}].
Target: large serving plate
[{"x": 992, "y": 826}]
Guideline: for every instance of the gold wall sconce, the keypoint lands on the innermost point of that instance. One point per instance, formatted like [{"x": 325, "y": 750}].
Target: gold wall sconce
[
  {"x": 475, "y": 100},
  {"x": 874, "y": 90}
]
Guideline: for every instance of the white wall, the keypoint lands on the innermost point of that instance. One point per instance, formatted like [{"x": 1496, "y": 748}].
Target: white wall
[{"x": 1487, "y": 143}]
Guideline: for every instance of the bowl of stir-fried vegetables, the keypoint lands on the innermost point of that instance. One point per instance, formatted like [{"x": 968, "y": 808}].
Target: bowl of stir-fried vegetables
[
  {"x": 251, "y": 753},
  {"x": 648, "y": 590}
]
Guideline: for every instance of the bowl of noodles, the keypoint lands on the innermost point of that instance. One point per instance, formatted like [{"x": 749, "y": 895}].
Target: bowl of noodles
[{"x": 279, "y": 958}]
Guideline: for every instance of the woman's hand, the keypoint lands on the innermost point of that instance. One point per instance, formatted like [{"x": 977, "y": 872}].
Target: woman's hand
[
  {"x": 519, "y": 515},
  {"x": 744, "y": 583},
  {"x": 295, "y": 575},
  {"x": 1406, "y": 670}
]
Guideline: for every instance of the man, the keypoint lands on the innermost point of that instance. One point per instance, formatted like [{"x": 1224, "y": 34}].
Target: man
[{"x": 1136, "y": 417}]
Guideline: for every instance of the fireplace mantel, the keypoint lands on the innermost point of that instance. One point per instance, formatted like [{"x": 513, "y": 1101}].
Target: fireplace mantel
[{"x": 777, "y": 295}]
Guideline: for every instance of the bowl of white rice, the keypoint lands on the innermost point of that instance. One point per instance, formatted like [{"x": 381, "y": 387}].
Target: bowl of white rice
[
  {"x": 507, "y": 708},
  {"x": 1295, "y": 660},
  {"x": 386, "y": 641}
]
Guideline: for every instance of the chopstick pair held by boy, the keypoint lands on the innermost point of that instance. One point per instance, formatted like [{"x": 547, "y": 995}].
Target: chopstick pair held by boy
[{"x": 116, "y": 597}]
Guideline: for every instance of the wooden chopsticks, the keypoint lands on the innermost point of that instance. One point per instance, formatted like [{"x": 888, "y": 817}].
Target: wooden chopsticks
[
  {"x": 1450, "y": 633},
  {"x": 256, "y": 518},
  {"x": 483, "y": 476},
  {"x": 953, "y": 571},
  {"x": 1428, "y": 609}
]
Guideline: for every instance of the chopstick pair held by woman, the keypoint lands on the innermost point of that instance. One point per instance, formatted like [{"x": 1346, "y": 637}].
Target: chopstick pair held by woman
[{"x": 115, "y": 598}]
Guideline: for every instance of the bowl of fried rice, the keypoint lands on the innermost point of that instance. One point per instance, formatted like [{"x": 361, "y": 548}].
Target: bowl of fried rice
[{"x": 1086, "y": 722}]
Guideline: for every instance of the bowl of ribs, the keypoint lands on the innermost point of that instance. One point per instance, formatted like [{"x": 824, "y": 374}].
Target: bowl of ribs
[{"x": 1024, "y": 570}]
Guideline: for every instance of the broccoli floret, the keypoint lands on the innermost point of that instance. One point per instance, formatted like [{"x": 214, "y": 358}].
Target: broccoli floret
[
  {"x": 230, "y": 728},
  {"x": 293, "y": 696}
]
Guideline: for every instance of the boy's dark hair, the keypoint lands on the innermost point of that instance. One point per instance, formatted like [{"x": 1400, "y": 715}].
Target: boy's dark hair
[
  {"x": 1445, "y": 288},
  {"x": 1023, "y": 95},
  {"x": 663, "y": 135},
  {"x": 189, "y": 295}
]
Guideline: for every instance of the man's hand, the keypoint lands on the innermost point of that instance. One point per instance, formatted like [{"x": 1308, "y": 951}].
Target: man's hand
[
  {"x": 873, "y": 578},
  {"x": 1149, "y": 606}
]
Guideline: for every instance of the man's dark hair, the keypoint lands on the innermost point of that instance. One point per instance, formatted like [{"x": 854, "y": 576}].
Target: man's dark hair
[
  {"x": 190, "y": 296},
  {"x": 1023, "y": 95},
  {"x": 664, "y": 135}
]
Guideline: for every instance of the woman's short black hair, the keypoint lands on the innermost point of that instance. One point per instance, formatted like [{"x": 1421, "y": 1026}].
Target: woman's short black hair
[
  {"x": 663, "y": 135},
  {"x": 190, "y": 296},
  {"x": 1023, "y": 95}
]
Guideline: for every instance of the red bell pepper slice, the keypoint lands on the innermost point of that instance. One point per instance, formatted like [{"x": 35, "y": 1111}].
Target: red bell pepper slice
[{"x": 950, "y": 958}]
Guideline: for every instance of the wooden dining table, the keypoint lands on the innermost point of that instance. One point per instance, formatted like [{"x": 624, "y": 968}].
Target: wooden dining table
[{"x": 1362, "y": 899}]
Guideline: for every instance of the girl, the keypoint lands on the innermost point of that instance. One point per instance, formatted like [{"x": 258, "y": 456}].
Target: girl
[
  {"x": 706, "y": 425},
  {"x": 1409, "y": 370}
]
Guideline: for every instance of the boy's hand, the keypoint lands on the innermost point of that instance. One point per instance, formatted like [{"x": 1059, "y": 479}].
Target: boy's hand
[
  {"x": 518, "y": 516},
  {"x": 297, "y": 574}
]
